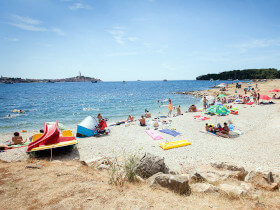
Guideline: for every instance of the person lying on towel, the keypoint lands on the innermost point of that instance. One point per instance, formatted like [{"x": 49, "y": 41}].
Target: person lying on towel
[{"x": 224, "y": 132}]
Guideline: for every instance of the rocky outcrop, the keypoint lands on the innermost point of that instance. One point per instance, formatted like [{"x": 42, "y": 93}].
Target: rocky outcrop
[
  {"x": 150, "y": 165},
  {"x": 204, "y": 188},
  {"x": 232, "y": 190},
  {"x": 177, "y": 183},
  {"x": 263, "y": 180}
]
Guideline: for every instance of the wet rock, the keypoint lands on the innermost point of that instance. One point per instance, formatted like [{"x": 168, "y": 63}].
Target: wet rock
[
  {"x": 203, "y": 188},
  {"x": 176, "y": 183},
  {"x": 150, "y": 165}
]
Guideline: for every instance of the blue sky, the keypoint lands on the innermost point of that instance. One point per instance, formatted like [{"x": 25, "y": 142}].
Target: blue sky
[{"x": 117, "y": 40}]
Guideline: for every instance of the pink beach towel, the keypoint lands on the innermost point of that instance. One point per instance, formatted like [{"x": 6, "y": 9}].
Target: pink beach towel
[
  {"x": 154, "y": 135},
  {"x": 250, "y": 103}
]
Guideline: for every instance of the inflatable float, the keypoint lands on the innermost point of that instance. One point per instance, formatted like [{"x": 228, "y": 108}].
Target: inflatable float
[
  {"x": 174, "y": 144},
  {"x": 51, "y": 138},
  {"x": 154, "y": 135}
]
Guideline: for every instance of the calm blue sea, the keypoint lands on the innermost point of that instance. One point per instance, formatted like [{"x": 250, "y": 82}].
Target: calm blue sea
[{"x": 70, "y": 103}]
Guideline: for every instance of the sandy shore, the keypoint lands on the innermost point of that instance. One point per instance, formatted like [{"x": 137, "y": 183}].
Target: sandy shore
[{"x": 257, "y": 148}]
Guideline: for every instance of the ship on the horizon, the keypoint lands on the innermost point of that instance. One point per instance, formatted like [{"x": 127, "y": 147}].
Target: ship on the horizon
[{"x": 165, "y": 80}]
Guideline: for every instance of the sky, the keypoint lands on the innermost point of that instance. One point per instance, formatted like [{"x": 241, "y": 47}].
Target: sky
[{"x": 116, "y": 40}]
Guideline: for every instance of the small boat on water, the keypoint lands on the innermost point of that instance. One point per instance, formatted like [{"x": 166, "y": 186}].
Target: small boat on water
[
  {"x": 94, "y": 81},
  {"x": 165, "y": 80},
  {"x": 9, "y": 83},
  {"x": 211, "y": 80},
  {"x": 124, "y": 82}
]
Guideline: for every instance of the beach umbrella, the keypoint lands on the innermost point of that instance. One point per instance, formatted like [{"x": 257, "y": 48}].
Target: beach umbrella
[
  {"x": 274, "y": 90},
  {"x": 265, "y": 97},
  {"x": 209, "y": 98},
  {"x": 222, "y": 83},
  {"x": 221, "y": 95},
  {"x": 218, "y": 110}
]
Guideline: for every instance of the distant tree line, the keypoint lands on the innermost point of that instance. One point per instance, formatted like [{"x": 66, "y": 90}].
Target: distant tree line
[{"x": 269, "y": 73}]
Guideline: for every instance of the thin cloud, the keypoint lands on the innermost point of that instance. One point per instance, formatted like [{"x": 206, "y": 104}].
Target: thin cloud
[
  {"x": 25, "y": 20},
  {"x": 26, "y": 23},
  {"x": 13, "y": 39},
  {"x": 28, "y": 27},
  {"x": 58, "y": 31},
  {"x": 30, "y": 24},
  {"x": 79, "y": 6},
  {"x": 257, "y": 43},
  {"x": 119, "y": 35}
]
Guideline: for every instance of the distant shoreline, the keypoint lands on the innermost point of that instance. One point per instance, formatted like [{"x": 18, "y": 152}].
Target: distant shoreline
[{"x": 12, "y": 80}]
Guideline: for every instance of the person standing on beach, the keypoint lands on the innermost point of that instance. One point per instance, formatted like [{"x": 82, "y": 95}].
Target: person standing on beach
[
  {"x": 170, "y": 108},
  {"x": 204, "y": 103},
  {"x": 258, "y": 99}
]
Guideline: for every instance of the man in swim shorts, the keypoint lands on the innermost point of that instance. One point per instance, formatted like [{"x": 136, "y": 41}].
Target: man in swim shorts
[{"x": 142, "y": 121}]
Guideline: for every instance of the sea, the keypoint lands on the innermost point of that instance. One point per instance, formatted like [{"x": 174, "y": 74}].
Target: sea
[{"x": 70, "y": 102}]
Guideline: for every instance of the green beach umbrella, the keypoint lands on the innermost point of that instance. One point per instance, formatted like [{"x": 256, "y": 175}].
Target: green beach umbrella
[
  {"x": 218, "y": 110},
  {"x": 221, "y": 95}
]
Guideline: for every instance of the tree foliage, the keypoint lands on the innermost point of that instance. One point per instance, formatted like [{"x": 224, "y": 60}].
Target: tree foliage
[{"x": 269, "y": 73}]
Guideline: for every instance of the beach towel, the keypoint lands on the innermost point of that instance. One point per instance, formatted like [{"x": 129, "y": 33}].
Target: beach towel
[
  {"x": 170, "y": 132},
  {"x": 154, "y": 135},
  {"x": 231, "y": 127},
  {"x": 201, "y": 118},
  {"x": 18, "y": 146},
  {"x": 250, "y": 103},
  {"x": 208, "y": 132}
]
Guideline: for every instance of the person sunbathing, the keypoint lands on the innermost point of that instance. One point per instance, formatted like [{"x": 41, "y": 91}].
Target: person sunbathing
[
  {"x": 207, "y": 127},
  {"x": 148, "y": 114},
  {"x": 130, "y": 118},
  {"x": 142, "y": 121},
  {"x": 192, "y": 108},
  {"x": 224, "y": 132},
  {"x": 4, "y": 146},
  {"x": 17, "y": 139}
]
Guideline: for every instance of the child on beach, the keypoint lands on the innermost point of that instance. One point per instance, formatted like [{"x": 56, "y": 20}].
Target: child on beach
[{"x": 178, "y": 110}]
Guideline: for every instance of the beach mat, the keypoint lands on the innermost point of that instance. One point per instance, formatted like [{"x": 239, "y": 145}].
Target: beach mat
[
  {"x": 154, "y": 135},
  {"x": 170, "y": 132},
  {"x": 174, "y": 144}
]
